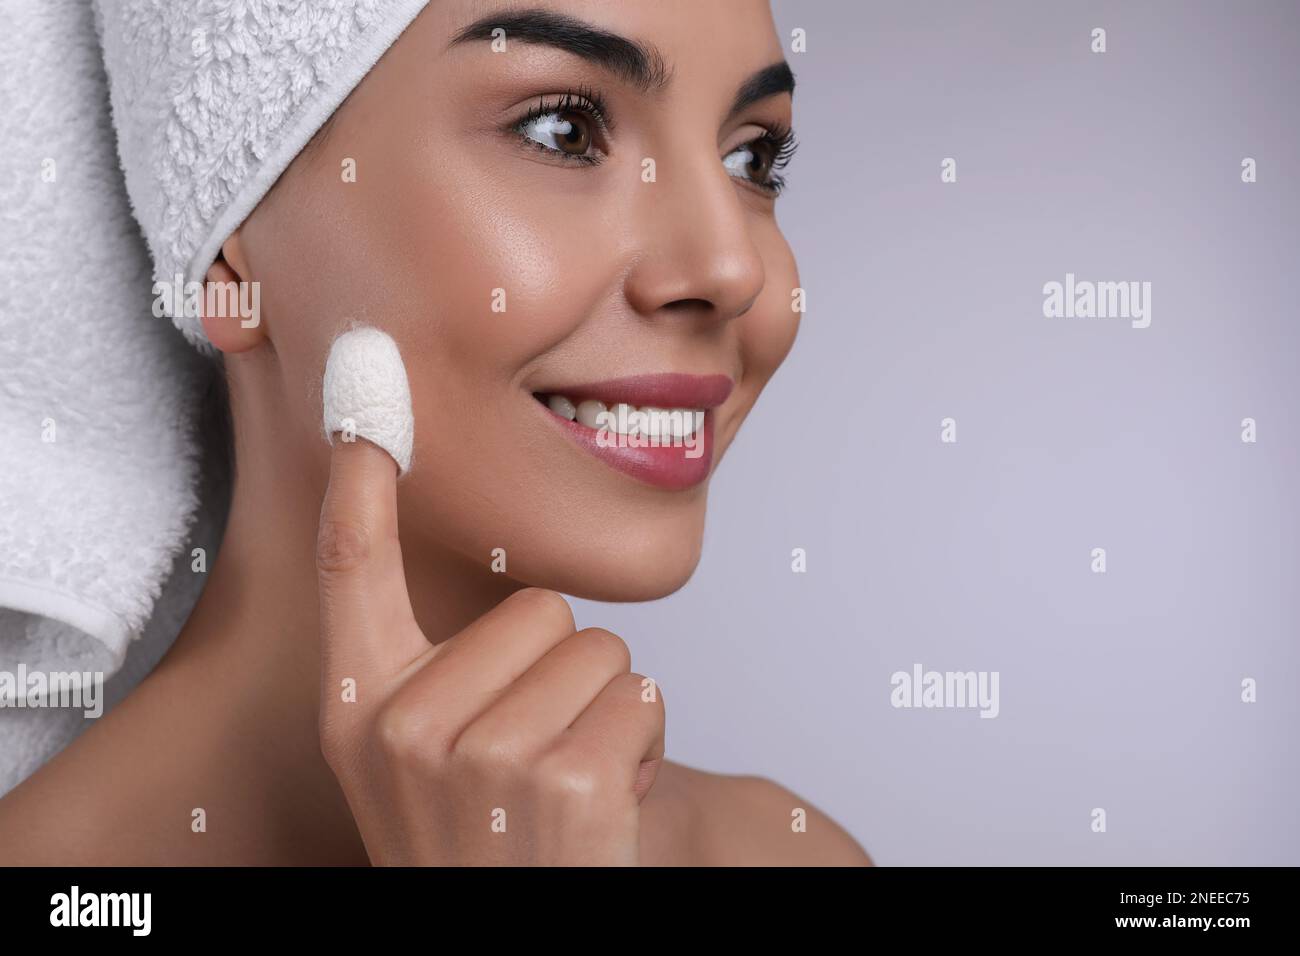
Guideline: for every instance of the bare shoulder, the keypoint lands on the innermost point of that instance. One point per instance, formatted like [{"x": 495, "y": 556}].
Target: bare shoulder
[{"x": 746, "y": 820}]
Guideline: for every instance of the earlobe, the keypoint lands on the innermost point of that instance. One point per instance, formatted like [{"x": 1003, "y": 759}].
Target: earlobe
[{"x": 231, "y": 306}]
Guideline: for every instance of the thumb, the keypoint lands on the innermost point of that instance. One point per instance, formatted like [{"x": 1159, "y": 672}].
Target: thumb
[{"x": 366, "y": 619}]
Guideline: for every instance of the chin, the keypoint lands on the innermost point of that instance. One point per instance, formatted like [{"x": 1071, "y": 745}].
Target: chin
[{"x": 633, "y": 568}]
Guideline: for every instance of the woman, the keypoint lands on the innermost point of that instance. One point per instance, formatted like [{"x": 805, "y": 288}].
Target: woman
[{"x": 583, "y": 213}]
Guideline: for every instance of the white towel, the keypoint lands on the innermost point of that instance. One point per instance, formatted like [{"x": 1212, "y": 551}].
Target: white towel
[
  {"x": 212, "y": 99},
  {"x": 101, "y": 499}
]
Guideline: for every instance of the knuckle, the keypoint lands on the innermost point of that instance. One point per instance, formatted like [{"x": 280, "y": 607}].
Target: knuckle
[
  {"x": 571, "y": 777},
  {"x": 340, "y": 545},
  {"x": 400, "y": 735},
  {"x": 608, "y": 646},
  {"x": 547, "y": 606}
]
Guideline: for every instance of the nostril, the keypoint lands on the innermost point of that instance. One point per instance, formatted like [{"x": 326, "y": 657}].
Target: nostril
[{"x": 688, "y": 305}]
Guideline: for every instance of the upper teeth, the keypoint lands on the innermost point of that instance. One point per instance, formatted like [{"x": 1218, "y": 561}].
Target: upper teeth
[{"x": 624, "y": 419}]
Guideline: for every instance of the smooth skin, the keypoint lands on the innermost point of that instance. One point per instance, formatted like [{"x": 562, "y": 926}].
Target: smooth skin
[{"x": 475, "y": 691}]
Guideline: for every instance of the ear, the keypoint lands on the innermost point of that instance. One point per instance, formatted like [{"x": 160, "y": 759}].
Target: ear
[{"x": 236, "y": 323}]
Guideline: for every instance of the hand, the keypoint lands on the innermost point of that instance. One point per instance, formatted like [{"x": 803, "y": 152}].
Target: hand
[{"x": 515, "y": 741}]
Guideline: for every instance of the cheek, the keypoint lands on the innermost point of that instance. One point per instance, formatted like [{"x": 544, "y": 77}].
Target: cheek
[
  {"x": 499, "y": 267},
  {"x": 503, "y": 287}
]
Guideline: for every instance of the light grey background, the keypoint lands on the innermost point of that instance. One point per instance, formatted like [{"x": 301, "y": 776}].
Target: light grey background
[{"x": 1120, "y": 691}]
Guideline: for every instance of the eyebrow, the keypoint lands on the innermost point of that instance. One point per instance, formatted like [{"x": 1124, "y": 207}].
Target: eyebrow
[
  {"x": 769, "y": 81},
  {"x": 638, "y": 63}
]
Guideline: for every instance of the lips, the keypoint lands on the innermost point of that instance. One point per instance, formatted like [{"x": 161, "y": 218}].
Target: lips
[{"x": 655, "y": 428}]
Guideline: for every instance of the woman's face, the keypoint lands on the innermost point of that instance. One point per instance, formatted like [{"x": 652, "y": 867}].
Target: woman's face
[{"x": 565, "y": 217}]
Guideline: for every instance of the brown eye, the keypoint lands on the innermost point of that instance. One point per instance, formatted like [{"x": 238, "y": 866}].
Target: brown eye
[
  {"x": 758, "y": 160},
  {"x": 760, "y": 163},
  {"x": 752, "y": 161},
  {"x": 564, "y": 131},
  {"x": 577, "y": 140}
]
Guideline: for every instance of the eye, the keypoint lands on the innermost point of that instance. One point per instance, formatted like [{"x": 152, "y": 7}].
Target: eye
[
  {"x": 752, "y": 161},
  {"x": 566, "y": 127},
  {"x": 758, "y": 160},
  {"x": 566, "y": 132}
]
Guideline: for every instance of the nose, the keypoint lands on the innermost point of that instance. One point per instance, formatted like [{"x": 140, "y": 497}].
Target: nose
[{"x": 695, "y": 254}]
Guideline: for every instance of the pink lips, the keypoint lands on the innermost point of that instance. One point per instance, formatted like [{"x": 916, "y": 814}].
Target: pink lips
[{"x": 664, "y": 466}]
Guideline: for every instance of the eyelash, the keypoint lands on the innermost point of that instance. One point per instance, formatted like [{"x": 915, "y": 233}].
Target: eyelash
[{"x": 779, "y": 137}]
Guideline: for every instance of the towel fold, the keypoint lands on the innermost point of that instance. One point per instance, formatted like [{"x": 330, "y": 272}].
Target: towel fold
[{"x": 98, "y": 398}]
